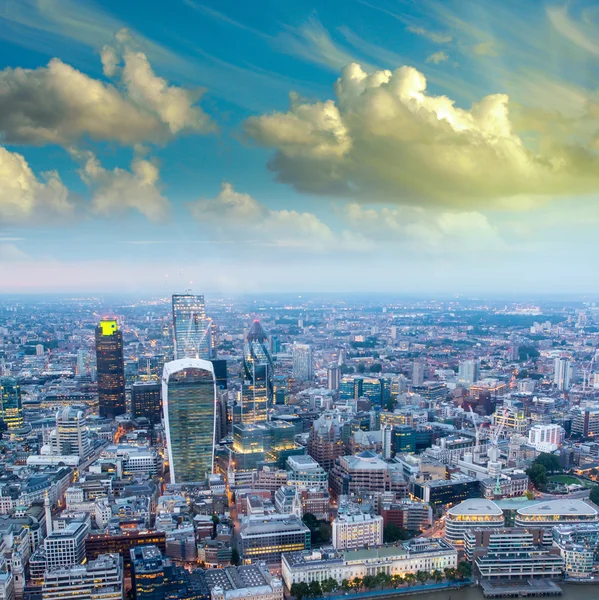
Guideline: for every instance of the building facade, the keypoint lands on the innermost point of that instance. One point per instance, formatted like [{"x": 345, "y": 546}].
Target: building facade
[
  {"x": 192, "y": 331},
  {"x": 357, "y": 531},
  {"x": 189, "y": 400},
  {"x": 12, "y": 408},
  {"x": 146, "y": 401},
  {"x": 110, "y": 369}
]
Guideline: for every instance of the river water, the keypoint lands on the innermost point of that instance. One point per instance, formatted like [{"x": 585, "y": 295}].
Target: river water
[{"x": 571, "y": 592}]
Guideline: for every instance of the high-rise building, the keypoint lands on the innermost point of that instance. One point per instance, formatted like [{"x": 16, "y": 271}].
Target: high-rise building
[
  {"x": 303, "y": 368},
  {"x": 145, "y": 401},
  {"x": 111, "y": 369},
  {"x": 189, "y": 401},
  {"x": 71, "y": 436},
  {"x": 192, "y": 331},
  {"x": 12, "y": 409},
  {"x": 258, "y": 371},
  {"x": 468, "y": 371},
  {"x": 562, "y": 373},
  {"x": 417, "y": 373},
  {"x": 101, "y": 578},
  {"x": 333, "y": 377}
]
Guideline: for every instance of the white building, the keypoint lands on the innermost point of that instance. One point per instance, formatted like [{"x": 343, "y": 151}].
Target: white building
[
  {"x": 66, "y": 547},
  {"x": 546, "y": 438},
  {"x": 303, "y": 367},
  {"x": 71, "y": 436},
  {"x": 468, "y": 371},
  {"x": 474, "y": 513},
  {"x": 101, "y": 578},
  {"x": 421, "y": 554},
  {"x": 562, "y": 373},
  {"x": 357, "y": 531},
  {"x": 248, "y": 582},
  {"x": 387, "y": 441},
  {"x": 305, "y": 472}
]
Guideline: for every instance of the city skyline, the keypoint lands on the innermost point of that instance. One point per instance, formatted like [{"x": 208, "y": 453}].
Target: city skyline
[{"x": 436, "y": 147}]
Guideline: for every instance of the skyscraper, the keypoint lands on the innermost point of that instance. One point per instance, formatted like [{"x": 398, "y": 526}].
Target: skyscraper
[
  {"x": 333, "y": 377},
  {"x": 417, "y": 373},
  {"x": 192, "y": 330},
  {"x": 12, "y": 409},
  {"x": 111, "y": 369},
  {"x": 303, "y": 368},
  {"x": 469, "y": 371},
  {"x": 257, "y": 385},
  {"x": 145, "y": 401},
  {"x": 189, "y": 403},
  {"x": 71, "y": 436},
  {"x": 562, "y": 373}
]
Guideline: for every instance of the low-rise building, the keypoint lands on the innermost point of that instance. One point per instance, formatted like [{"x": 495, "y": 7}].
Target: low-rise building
[
  {"x": 512, "y": 553},
  {"x": 421, "y": 554},
  {"x": 357, "y": 530},
  {"x": 266, "y": 538},
  {"x": 248, "y": 582},
  {"x": 475, "y": 513}
]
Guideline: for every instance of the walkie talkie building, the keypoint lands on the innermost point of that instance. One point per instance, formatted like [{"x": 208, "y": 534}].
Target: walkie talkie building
[{"x": 189, "y": 404}]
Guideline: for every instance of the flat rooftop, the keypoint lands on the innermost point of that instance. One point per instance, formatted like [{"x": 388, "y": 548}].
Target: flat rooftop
[{"x": 559, "y": 507}]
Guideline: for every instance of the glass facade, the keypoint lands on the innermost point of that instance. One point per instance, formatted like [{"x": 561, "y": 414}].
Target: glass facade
[
  {"x": 192, "y": 330},
  {"x": 110, "y": 369},
  {"x": 258, "y": 370},
  {"x": 189, "y": 397},
  {"x": 145, "y": 401},
  {"x": 12, "y": 410}
]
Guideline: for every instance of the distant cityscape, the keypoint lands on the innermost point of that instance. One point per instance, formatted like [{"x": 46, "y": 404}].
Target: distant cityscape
[{"x": 296, "y": 447}]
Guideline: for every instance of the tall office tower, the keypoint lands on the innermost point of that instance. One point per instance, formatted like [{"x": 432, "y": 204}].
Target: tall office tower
[
  {"x": 71, "y": 436},
  {"x": 189, "y": 402},
  {"x": 12, "y": 409},
  {"x": 222, "y": 415},
  {"x": 468, "y": 371},
  {"x": 145, "y": 401},
  {"x": 111, "y": 369},
  {"x": 257, "y": 386},
  {"x": 387, "y": 439},
  {"x": 333, "y": 378},
  {"x": 66, "y": 547},
  {"x": 562, "y": 373},
  {"x": 417, "y": 373},
  {"x": 303, "y": 368},
  {"x": 192, "y": 330}
]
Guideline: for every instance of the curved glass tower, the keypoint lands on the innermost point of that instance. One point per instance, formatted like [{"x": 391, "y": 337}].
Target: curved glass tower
[
  {"x": 257, "y": 386},
  {"x": 189, "y": 404}
]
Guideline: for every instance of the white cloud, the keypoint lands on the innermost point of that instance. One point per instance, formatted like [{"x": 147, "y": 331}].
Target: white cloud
[
  {"x": 386, "y": 138},
  {"x": 437, "y": 57},
  {"x": 119, "y": 190},
  {"x": 438, "y": 38},
  {"x": 25, "y": 197},
  {"x": 59, "y": 104},
  {"x": 238, "y": 216},
  {"x": 559, "y": 18}
]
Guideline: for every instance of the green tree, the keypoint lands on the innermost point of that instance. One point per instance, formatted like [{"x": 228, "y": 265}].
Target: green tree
[
  {"x": 594, "y": 496},
  {"x": 464, "y": 570},
  {"x": 324, "y": 532},
  {"x": 396, "y": 580},
  {"x": 215, "y": 519},
  {"x": 410, "y": 578},
  {"x": 357, "y": 583},
  {"x": 437, "y": 576},
  {"x": 300, "y": 590},
  {"x": 235, "y": 560},
  {"x": 450, "y": 574},
  {"x": 537, "y": 474},
  {"x": 376, "y": 368},
  {"x": 422, "y": 576},
  {"x": 393, "y": 533},
  {"x": 549, "y": 461},
  {"x": 346, "y": 585},
  {"x": 369, "y": 582},
  {"x": 361, "y": 368},
  {"x": 314, "y": 589},
  {"x": 329, "y": 585},
  {"x": 529, "y": 495}
]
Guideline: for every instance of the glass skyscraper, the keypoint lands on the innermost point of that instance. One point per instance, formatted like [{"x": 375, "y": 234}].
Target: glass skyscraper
[
  {"x": 110, "y": 369},
  {"x": 12, "y": 409},
  {"x": 189, "y": 404},
  {"x": 257, "y": 386},
  {"x": 192, "y": 331}
]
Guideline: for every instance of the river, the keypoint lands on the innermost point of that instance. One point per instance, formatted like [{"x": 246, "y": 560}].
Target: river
[{"x": 571, "y": 592}]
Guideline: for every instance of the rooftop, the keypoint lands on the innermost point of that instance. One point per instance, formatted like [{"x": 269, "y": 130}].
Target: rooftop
[
  {"x": 559, "y": 507},
  {"x": 476, "y": 506}
]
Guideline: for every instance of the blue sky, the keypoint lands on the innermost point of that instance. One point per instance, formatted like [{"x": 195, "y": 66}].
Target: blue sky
[{"x": 273, "y": 146}]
